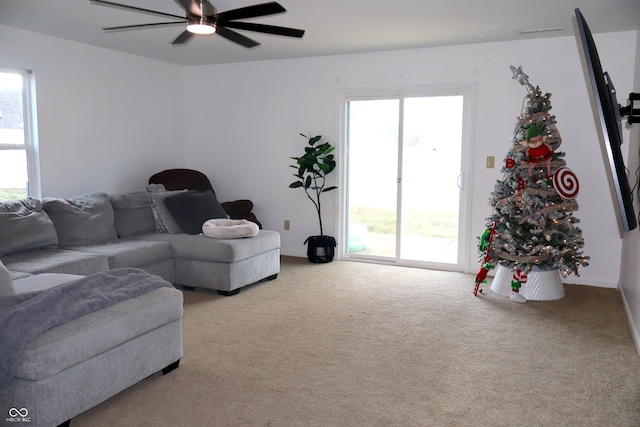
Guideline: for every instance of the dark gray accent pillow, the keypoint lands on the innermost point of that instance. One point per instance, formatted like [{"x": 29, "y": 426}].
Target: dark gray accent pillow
[
  {"x": 24, "y": 226},
  {"x": 132, "y": 212},
  {"x": 192, "y": 209},
  {"x": 82, "y": 220}
]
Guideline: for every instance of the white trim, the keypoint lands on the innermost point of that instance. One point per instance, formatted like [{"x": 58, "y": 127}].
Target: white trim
[
  {"x": 634, "y": 331},
  {"x": 29, "y": 117},
  {"x": 468, "y": 91}
]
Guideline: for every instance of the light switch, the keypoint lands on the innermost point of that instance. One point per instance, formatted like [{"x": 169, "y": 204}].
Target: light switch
[{"x": 491, "y": 161}]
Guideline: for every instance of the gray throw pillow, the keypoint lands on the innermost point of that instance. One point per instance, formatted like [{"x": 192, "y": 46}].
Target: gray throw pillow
[
  {"x": 132, "y": 212},
  {"x": 192, "y": 209},
  {"x": 164, "y": 220},
  {"x": 6, "y": 284},
  {"x": 24, "y": 226},
  {"x": 82, "y": 220}
]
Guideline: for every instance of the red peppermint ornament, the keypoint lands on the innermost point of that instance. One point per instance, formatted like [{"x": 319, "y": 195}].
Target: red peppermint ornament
[
  {"x": 566, "y": 183},
  {"x": 510, "y": 163}
]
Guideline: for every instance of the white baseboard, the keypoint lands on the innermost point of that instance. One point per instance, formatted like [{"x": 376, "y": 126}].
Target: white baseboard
[{"x": 632, "y": 327}]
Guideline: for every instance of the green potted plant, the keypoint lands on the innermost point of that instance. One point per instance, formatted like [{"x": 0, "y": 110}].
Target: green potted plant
[{"x": 312, "y": 170}]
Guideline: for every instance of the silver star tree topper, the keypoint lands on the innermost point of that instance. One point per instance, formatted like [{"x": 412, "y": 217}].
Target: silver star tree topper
[{"x": 521, "y": 77}]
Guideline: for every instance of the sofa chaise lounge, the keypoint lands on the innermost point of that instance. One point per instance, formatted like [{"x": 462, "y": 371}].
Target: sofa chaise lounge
[{"x": 82, "y": 362}]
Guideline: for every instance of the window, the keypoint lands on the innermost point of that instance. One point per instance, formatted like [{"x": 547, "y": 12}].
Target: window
[{"x": 19, "y": 176}]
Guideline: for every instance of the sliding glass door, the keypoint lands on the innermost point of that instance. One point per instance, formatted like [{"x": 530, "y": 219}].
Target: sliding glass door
[
  {"x": 404, "y": 178},
  {"x": 372, "y": 201}
]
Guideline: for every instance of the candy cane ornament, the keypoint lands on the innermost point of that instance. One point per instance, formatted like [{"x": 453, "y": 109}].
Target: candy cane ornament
[{"x": 519, "y": 277}]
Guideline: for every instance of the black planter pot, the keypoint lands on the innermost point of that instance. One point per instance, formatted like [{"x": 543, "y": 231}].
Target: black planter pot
[{"x": 320, "y": 249}]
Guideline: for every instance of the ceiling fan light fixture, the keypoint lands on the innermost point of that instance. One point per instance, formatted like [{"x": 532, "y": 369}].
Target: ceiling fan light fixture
[
  {"x": 202, "y": 18},
  {"x": 201, "y": 26}
]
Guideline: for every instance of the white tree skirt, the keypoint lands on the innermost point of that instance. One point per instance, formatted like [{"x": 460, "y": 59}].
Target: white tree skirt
[{"x": 541, "y": 285}]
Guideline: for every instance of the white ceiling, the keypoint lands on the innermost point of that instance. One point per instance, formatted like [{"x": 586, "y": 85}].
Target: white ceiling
[{"x": 332, "y": 26}]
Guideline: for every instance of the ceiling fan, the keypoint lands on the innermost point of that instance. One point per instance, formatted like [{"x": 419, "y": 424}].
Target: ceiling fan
[{"x": 202, "y": 18}]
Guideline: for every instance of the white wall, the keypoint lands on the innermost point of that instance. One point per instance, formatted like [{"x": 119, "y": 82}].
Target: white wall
[
  {"x": 243, "y": 122},
  {"x": 106, "y": 120},
  {"x": 630, "y": 267}
]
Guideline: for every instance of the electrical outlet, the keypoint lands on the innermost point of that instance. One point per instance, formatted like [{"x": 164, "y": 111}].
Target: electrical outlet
[
  {"x": 491, "y": 161},
  {"x": 287, "y": 224}
]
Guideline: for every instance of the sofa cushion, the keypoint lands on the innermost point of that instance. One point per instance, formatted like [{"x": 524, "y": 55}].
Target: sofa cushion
[
  {"x": 56, "y": 261},
  {"x": 202, "y": 248},
  {"x": 25, "y": 226},
  {"x": 132, "y": 213},
  {"x": 6, "y": 283},
  {"x": 192, "y": 208},
  {"x": 130, "y": 253},
  {"x": 165, "y": 223},
  {"x": 82, "y": 220},
  {"x": 92, "y": 334},
  {"x": 16, "y": 275},
  {"x": 38, "y": 282}
]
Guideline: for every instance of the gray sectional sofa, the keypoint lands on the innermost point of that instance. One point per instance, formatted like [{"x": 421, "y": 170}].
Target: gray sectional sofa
[
  {"x": 50, "y": 244},
  {"x": 95, "y": 232}
]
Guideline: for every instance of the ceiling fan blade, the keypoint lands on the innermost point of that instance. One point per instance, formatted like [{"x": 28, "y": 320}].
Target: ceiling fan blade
[
  {"x": 268, "y": 29},
  {"x": 236, "y": 37},
  {"x": 143, "y": 26},
  {"x": 135, "y": 9},
  {"x": 262, "y": 9},
  {"x": 193, "y": 7},
  {"x": 184, "y": 38},
  {"x": 190, "y": 6}
]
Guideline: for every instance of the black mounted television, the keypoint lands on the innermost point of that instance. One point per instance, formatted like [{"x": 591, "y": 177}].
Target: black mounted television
[{"x": 610, "y": 115}]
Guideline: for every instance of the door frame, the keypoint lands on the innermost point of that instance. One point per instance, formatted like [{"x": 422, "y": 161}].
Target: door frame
[{"x": 468, "y": 91}]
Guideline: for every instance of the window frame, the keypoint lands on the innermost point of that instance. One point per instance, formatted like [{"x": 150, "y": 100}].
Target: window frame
[
  {"x": 30, "y": 135},
  {"x": 465, "y": 89}
]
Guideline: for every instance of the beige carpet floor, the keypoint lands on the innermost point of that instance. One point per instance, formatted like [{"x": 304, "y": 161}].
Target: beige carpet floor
[{"x": 355, "y": 344}]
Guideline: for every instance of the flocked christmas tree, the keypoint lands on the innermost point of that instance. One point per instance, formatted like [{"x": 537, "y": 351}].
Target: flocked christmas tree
[{"x": 532, "y": 224}]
